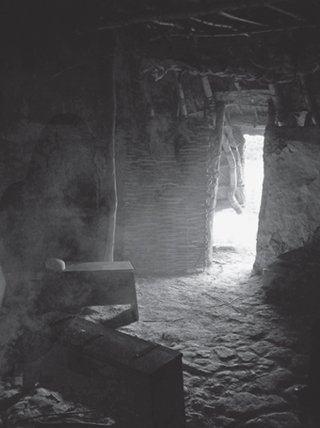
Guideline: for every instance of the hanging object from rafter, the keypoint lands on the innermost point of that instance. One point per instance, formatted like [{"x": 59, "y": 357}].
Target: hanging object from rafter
[
  {"x": 182, "y": 107},
  {"x": 309, "y": 98},
  {"x": 210, "y": 105}
]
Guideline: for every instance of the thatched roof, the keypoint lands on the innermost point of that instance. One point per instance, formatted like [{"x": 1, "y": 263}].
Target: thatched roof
[{"x": 261, "y": 40}]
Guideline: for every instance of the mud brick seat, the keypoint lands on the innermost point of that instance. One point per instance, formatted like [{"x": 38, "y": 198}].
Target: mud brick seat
[{"x": 137, "y": 382}]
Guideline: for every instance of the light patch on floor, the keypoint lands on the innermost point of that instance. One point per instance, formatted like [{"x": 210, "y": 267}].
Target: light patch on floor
[{"x": 241, "y": 357}]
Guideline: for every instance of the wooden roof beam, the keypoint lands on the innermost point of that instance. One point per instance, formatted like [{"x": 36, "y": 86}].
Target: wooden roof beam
[
  {"x": 185, "y": 12},
  {"x": 239, "y": 19},
  {"x": 168, "y": 24},
  {"x": 285, "y": 12},
  {"x": 254, "y": 33},
  {"x": 211, "y": 24}
]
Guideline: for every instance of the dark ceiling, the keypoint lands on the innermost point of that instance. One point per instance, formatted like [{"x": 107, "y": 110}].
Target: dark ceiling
[
  {"x": 266, "y": 40},
  {"x": 216, "y": 18},
  {"x": 198, "y": 18}
]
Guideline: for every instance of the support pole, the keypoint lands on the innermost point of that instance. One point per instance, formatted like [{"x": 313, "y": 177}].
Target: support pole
[
  {"x": 110, "y": 206},
  {"x": 213, "y": 169}
]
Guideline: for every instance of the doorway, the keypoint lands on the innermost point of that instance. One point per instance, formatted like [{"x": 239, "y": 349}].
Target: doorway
[{"x": 235, "y": 233}]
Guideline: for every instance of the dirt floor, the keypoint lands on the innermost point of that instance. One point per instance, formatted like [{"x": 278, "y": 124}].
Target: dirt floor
[{"x": 242, "y": 357}]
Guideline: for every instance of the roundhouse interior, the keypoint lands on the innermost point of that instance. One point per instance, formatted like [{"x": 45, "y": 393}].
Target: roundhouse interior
[{"x": 160, "y": 213}]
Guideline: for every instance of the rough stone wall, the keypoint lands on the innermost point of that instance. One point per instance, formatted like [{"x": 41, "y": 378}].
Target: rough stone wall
[{"x": 290, "y": 209}]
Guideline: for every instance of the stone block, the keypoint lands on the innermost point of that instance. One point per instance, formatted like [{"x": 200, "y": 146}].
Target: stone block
[
  {"x": 275, "y": 420},
  {"x": 276, "y": 275},
  {"x": 137, "y": 382},
  {"x": 290, "y": 199}
]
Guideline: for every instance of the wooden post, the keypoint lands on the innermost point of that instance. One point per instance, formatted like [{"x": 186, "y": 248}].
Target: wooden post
[
  {"x": 213, "y": 175},
  {"x": 112, "y": 198}
]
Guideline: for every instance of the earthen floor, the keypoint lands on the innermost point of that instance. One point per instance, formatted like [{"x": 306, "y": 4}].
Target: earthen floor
[{"x": 242, "y": 357}]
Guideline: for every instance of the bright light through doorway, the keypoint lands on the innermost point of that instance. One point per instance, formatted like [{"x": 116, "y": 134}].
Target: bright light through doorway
[{"x": 240, "y": 231}]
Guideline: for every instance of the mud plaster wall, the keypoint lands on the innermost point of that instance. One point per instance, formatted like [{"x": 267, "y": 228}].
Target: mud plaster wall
[
  {"x": 290, "y": 209},
  {"x": 46, "y": 73},
  {"x": 167, "y": 171}
]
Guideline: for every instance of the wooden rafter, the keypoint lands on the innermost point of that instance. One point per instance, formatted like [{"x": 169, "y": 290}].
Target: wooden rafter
[
  {"x": 185, "y": 12},
  {"x": 239, "y": 19},
  {"x": 254, "y": 33},
  {"x": 285, "y": 12},
  {"x": 211, "y": 24},
  {"x": 167, "y": 24}
]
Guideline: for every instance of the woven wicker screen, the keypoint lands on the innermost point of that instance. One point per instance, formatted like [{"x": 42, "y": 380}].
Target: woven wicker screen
[{"x": 167, "y": 196}]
